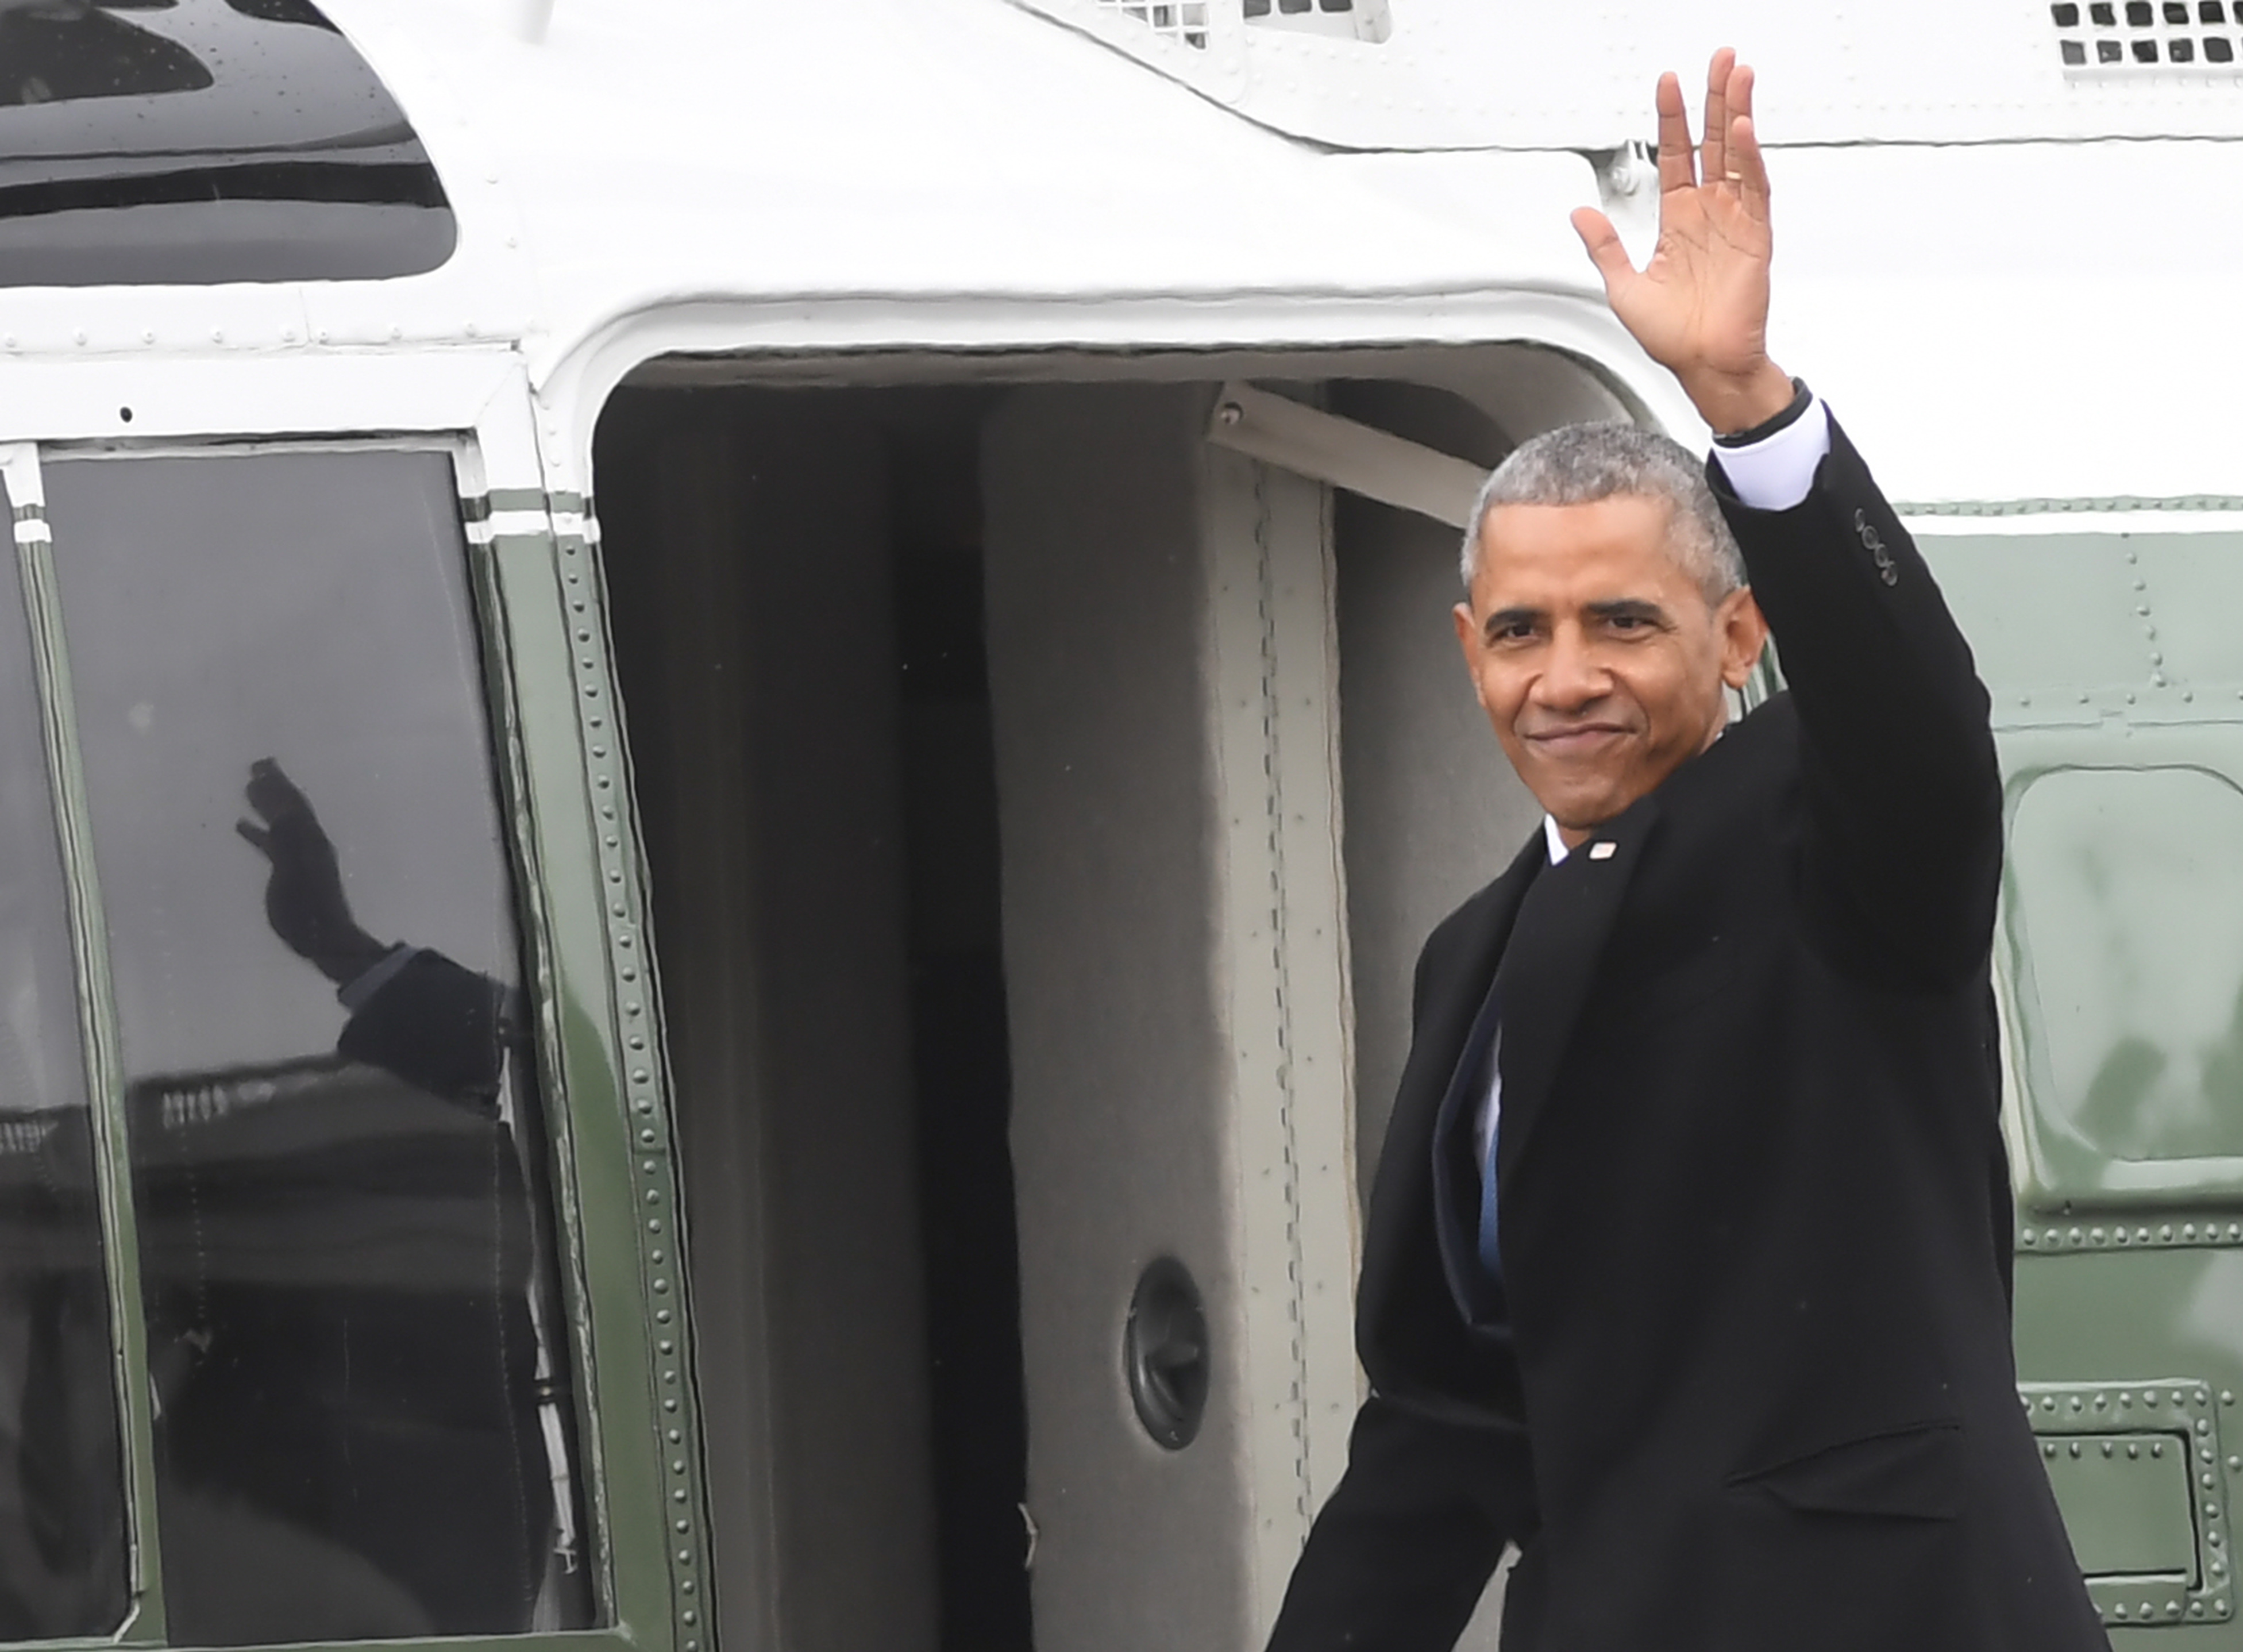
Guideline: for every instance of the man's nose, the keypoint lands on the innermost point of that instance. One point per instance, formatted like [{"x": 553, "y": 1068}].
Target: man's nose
[{"x": 1571, "y": 676}]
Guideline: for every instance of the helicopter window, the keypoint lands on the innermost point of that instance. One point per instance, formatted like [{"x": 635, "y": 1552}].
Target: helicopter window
[
  {"x": 2124, "y": 887},
  {"x": 364, "y": 1426},
  {"x": 62, "y": 1513},
  {"x": 192, "y": 141}
]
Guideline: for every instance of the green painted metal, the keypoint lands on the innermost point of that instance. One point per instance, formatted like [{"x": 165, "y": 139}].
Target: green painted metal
[
  {"x": 596, "y": 988},
  {"x": 2117, "y": 682},
  {"x": 2126, "y": 1500},
  {"x": 144, "y": 1621}
]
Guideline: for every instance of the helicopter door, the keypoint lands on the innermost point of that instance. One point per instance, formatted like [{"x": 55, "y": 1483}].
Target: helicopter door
[{"x": 1162, "y": 674}]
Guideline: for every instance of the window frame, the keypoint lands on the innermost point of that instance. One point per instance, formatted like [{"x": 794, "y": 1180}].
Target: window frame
[{"x": 562, "y": 791}]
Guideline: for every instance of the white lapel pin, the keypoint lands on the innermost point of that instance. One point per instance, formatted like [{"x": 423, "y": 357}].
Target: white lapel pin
[{"x": 1603, "y": 851}]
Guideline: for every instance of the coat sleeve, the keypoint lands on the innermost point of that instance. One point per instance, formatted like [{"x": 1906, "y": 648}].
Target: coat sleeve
[
  {"x": 1398, "y": 1557},
  {"x": 436, "y": 1025},
  {"x": 1902, "y": 857}
]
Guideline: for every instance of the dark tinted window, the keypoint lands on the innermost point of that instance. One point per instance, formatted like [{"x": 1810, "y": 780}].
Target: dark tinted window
[
  {"x": 62, "y": 1514},
  {"x": 364, "y": 1420},
  {"x": 185, "y": 141}
]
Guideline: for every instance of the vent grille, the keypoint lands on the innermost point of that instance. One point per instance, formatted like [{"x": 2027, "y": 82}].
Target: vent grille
[
  {"x": 1180, "y": 20},
  {"x": 1347, "y": 19},
  {"x": 2167, "y": 37}
]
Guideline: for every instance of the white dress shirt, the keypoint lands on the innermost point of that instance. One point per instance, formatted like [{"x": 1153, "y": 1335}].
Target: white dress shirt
[{"x": 1773, "y": 474}]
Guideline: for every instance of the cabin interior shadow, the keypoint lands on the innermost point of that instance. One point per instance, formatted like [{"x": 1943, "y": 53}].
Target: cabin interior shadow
[{"x": 795, "y": 594}]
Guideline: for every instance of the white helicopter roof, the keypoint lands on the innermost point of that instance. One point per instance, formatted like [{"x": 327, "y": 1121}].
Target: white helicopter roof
[{"x": 754, "y": 177}]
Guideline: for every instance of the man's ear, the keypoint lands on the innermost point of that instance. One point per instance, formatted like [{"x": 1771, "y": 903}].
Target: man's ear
[
  {"x": 1467, "y": 634},
  {"x": 1743, "y": 633}
]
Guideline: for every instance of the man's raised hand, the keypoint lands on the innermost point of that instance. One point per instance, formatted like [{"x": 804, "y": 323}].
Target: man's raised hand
[{"x": 1700, "y": 307}]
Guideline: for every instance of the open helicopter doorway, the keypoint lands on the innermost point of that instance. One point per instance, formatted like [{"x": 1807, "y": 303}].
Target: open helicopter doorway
[{"x": 1043, "y": 808}]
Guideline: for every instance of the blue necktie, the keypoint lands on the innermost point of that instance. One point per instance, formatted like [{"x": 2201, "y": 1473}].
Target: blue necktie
[{"x": 1488, "y": 1255}]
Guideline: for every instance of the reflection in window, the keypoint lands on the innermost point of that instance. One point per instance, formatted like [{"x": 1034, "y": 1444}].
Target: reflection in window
[
  {"x": 363, "y": 1426},
  {"x": 69, "y": 50},
  {"x": 2126, "y": 889},
  {"x": 62, "y": 1511}
]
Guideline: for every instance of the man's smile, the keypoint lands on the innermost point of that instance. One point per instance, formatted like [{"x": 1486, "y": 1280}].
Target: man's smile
[{"x": 1579, "y": 739}]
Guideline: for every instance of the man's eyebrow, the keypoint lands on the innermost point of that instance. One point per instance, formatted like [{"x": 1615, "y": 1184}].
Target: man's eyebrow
[{"x": 1629, "y": 608}]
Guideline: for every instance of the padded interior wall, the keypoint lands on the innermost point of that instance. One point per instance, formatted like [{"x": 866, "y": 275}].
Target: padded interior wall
[
  {"x": 1098, "y": 592},
  {"x": 746, "y": 552}
]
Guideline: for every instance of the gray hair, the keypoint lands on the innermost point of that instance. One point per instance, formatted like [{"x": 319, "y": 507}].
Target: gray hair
[{"x": 1580, "y": 464}]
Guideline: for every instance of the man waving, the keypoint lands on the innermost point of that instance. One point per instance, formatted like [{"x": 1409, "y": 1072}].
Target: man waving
[{"x": 1686, "y": 1269}]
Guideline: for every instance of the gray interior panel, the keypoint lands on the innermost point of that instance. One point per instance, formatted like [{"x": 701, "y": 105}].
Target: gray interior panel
[{"x": 1098, "y": 595}]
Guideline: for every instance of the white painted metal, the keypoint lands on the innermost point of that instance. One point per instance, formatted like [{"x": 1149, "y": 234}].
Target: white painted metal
[
  {"x": 1326, "y": 448},
  {"x": 1463, "y": 74}
]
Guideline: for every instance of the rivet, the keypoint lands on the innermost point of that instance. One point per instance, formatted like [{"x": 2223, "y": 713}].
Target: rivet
[
  {"x": 2141, "y": 1236},
  {"x": 2109, "y": 1449},
  {"x": 2117, "y": 1612},
  {"x": 2093, "y": 1234},
  {"x": 2047, "y": 1447},
  {"x": 2075, "y": 1444},
  {"x": 2075, "y": 1232},
  {"x": 690, "y": 1616},
  {"x": 662, "y": 1287},
  {"x": 685, "y": 1585},
  {"x": 685, "y": 1526},
  {"x": 686, "y": 1557},
  {"x": 654, "y": 1225},
  {"x": 2133, "y": 1450},
  {"x": 218, "y": 335},
  {"x": 2047, "y": 1404}
]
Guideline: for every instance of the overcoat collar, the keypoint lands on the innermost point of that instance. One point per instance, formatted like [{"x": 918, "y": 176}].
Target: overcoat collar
[{"x": 1541, "y": 954}]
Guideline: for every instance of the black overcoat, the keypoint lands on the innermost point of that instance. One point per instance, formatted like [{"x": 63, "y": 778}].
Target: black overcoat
[{"x": 1756, "y": 1391}]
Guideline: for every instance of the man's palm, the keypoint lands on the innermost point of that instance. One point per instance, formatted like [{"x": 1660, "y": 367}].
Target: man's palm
[{"x": 1700, "y": 307}]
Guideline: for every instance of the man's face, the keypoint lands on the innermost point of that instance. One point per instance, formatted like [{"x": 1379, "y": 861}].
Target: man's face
[{"x": 1595, "y": 653}]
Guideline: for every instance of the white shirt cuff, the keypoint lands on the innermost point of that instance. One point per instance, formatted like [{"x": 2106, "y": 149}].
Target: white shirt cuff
[
  {"x": 1776, "y": 472},
  {"x": 360, "y": 987}
]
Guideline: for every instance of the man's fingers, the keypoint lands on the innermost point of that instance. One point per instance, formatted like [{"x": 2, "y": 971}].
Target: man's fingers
[
  {"x": 1675, "y": 160},
  {"x": 1603, "y": 244},
  {"x": 1750, "y": 167},
  {"x": 258, "y": 838},
  {"x": 1714, "y": 164}
]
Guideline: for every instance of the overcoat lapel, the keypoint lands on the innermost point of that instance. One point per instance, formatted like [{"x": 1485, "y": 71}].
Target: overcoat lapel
[{"x": 1549, "y": 964}]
